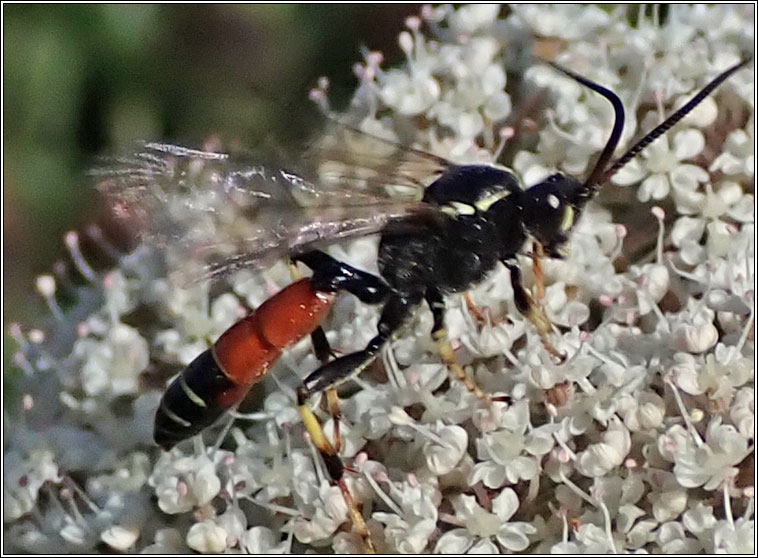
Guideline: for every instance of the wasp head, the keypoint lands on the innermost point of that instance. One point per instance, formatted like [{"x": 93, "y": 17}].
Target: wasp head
[{"x": 551, "y": 208}]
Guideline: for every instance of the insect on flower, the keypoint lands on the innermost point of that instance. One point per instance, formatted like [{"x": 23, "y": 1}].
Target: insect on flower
[{"x": 435, "y": 240}]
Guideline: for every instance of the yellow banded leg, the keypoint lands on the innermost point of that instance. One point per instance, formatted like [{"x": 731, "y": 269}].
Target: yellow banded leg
[
  {"x": 448, "y": 357},
  {"x": 329, "y": 453},
  {"x": 336, "y": 470},
  {"x": 436, "y": 303},
  {"x": 538, "y": 253},
  {"x": 334, "y": 408},
  {"x": 532, "y": 310}
]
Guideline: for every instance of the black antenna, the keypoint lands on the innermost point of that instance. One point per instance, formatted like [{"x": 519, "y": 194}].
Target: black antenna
[
  {"x": 600, "y": 174},
  {"x": 661, "y": 129},
  {"x": 593, "y": 181}
]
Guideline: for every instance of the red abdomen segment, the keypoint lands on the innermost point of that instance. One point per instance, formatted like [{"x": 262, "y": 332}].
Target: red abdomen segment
[{"x": 220, "y": 377}]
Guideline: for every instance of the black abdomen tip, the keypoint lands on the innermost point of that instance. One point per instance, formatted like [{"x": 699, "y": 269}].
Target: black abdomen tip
[{"x": 189, "y": 404}]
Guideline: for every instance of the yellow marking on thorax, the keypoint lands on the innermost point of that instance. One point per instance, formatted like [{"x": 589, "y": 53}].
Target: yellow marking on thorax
[{"x": 488, "y": 201}]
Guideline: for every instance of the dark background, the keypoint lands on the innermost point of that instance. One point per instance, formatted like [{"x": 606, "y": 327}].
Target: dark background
[{"x": 86, "y": 80}]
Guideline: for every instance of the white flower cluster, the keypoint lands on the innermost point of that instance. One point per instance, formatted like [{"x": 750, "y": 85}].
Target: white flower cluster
[{"x": 641, "y": 441}]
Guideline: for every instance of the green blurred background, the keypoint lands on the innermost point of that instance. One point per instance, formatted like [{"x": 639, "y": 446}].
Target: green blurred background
[{"x": 89, "y": 79}]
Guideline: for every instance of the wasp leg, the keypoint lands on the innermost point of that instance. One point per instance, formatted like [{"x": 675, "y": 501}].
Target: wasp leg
[
  {"x": 324, "y": 353},
  {"x": 333, "y": 401},
  {"x": 327, "y": 377},
  {"x": 395, "y": 312},
  {"x": 439, "y": 334},
  {"x": 474, "y": 310},
  {"x": 538, "y": 253},
  {"x": 336, "y": 470},
  {"x": 533, "y": 311},
  {"x": 331, "y": 275}
]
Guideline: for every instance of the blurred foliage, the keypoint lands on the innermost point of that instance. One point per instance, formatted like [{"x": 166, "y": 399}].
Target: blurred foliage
[{"x": 81, "y": 80}]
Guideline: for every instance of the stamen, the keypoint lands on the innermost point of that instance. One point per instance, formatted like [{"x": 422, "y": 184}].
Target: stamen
[
  {"x": 749, "y": 492},
  {"x": 399, "y": 417},
  {"x": 276, "y": 508},
  {"x": 318, "y": 463},
  {"x": 727, "y": 504},
  {"x": 450, "y": 519},
  {"x": 46, "y": 287},
  {"x": 394, "y": 375},
  {"x": 413, "y": 23},
  {"x": 660, "y": 215},
  {"x": 683, "y": 410},
  {"x": 505, "y": 134},
  {"x": 256, "y": 416},
  {"x": 96, "y": 234},
  {"x": 72, "y": 243},
  {"x": 747, "y": 330},
  {"x": 69, "y": 482},
  {"x": 75, "y": 511},
  {"x": 27, "y": 402},
  {"x": 383, "y": 495},
  {"x": 18, "y": 336},
  {"x": 222, "y": 435},
  {"x": 561, "y": 442},
  {"x": 565, "y": 530},
  {"x": 61, "y": 271},
  {"x": 595, "y": 503}
]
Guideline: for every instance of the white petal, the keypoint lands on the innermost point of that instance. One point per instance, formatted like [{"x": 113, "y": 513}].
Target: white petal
[
  {"x": 631, "y": 173},
  {"x": 743, "y": 210},
  {"x": 513, "y": 536},
  {"x": 483, "y": 546},
  {"x": 539, "y": 441},
  {"x": 456, "y": 541},
  {"x": 443, "y": 459},
  {"x": 692, "y": 253},
  {"x": 206, "y": 485},
  {"x": 695, "y": 338},
  {"x": 668, "y": 505},
  {"x": 727, "y": 163},
  {"x": 120, "y": 538},
  {"x": 657, "y": 283},
  {"x": 206, "y": 537},
  {"x": 688, "y": 143},
  {"x": 687, "y": 177},
  {"x": 489, "y": 473},
  {"x": 699, "y": 519},
  {"x": 702, "y": 115},
  {"x": 626, "y": 517},
  {"x": 655, "y": 187},
  {"x": 506, "y": 504},
  {"x": 498, "y": 106},
  {"x": 260, "y": 540},
  {"x": 687, "y": 228}
]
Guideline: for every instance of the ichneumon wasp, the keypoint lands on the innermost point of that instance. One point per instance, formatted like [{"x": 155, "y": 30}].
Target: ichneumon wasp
[{"x": 435, "y": 240}]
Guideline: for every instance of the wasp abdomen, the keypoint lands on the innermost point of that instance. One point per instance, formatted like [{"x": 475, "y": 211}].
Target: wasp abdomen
[
  {"x": 220, "y": 377},
  {"x": 191, "y": 401}
]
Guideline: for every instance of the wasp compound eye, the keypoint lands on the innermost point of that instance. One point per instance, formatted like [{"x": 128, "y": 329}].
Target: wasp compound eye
[{"x": 549, "y": 208}]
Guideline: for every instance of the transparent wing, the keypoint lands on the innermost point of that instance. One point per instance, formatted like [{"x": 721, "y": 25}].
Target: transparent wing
[
  {"x": 298, "y": 230},
  {"x": 346, "y": 156},
  {"x": 228, "y": 212}
]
